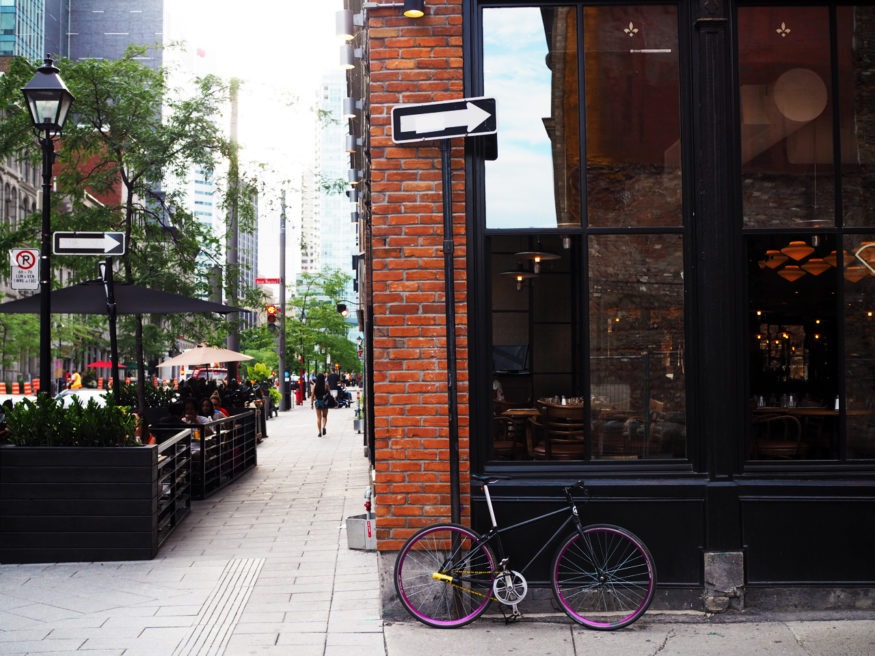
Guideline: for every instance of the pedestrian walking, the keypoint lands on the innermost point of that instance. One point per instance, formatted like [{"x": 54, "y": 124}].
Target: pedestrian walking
[{"x": 319, "y": 396}]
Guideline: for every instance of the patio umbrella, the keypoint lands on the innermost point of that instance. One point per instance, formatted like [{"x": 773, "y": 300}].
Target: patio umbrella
[
  {"x": 105, "y": 296},
  {"x": 89, "y": 297},
  {"x": 102, "y": 364},
  {"x": 204, "y": 355}
]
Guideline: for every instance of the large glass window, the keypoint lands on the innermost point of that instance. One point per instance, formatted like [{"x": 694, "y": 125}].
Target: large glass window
[
  {"x": 530, "y": 68},
  {"x": 587, "y": 291},
  {"x": 806, "y": 100}
]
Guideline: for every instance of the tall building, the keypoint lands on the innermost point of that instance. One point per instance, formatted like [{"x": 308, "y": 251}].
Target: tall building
[
  {"x": 21, "y": 28},
  {"x": 103, "y": 29},
  {"x": 338, "y": 238}
]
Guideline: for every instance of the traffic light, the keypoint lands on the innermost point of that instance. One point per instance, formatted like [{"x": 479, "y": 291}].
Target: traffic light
[{"x": 271, "y": 317}]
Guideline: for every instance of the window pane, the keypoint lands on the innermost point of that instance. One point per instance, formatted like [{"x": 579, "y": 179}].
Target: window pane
[
  {"x": 856, "y": 57},
  {"x": 633, "y": 148},
  {"x": 859, "y": 281},
  {"x": 793, "y": 347},
  {"x": 530, "y": 68},
  {"x": 786, "y": 117},
  {"x": 636, "y": 303}
]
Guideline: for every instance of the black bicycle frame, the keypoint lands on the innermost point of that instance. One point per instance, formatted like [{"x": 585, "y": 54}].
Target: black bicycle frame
[{"x": 495, "y": 532}]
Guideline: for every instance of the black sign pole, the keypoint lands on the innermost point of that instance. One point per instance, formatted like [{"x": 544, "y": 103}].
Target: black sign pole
[
  {"x": 450, "y": 300},
  {"x": 111, "y": 311}
]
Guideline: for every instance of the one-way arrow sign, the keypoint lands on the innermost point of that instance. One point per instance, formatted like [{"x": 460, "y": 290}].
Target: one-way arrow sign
[
  {"x": 89, "y": 243},
  {"x": 443, "y": 120}
]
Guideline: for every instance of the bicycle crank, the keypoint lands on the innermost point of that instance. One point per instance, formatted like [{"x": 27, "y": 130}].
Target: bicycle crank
[{"x": 510, "y": 587}]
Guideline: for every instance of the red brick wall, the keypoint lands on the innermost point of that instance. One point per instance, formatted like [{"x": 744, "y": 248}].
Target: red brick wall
[{"x": 414, "y": 61}]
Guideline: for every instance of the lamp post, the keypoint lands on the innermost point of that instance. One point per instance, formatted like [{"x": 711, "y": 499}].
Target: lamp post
[{"x": 48, "y": 101}]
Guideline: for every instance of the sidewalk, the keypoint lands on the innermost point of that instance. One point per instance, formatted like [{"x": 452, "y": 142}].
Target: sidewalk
[{"x": 263, "y": 568}]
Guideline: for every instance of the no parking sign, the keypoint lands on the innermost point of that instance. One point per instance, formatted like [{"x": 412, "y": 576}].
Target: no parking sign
[{"x": 25, "y": 268}]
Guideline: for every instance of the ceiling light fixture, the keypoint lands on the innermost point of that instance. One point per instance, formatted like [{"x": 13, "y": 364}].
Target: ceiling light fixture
[
  {"x": 798, "y": 250},
  {"x": 536, "y": 257},
  {"x": 519, "y": 276},
  {"x": 791, "y": 272}
]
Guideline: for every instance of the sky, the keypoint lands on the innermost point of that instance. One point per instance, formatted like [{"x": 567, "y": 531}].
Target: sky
[{"x": 279, "y": 50}]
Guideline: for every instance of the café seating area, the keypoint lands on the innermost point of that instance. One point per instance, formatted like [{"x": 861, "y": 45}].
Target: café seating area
[{"x": 555, "y": 428}]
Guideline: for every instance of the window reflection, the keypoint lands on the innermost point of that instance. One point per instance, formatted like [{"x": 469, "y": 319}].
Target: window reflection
[
  {"x": 633, "y": 153},
  {"x": 786, "y": 116},
  {"x": 856, "y": 52},
  {"x": 637, "y": 347},
  {"x": 530, "y": 68},
  {"x": 859, "y": 319}
]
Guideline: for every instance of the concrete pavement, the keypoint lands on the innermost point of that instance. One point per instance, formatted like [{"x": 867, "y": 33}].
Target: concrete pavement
[{"x": 263, "y": 568}]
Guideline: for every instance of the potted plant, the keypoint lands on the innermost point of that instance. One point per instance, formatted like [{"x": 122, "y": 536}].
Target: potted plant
[{"x": 76, "y": 484}]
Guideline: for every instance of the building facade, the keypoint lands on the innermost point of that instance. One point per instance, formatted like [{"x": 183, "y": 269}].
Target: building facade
[
  {"x": 673, "y": 232},
  {"x": 103, "y": 29},
  {"x": 21, "y": 29}
]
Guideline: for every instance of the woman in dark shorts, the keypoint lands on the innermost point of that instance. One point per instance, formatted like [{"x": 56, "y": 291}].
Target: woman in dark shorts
[{"x": 317, "y": 395}]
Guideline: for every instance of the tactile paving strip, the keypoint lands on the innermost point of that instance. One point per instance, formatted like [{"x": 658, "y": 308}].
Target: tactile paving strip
[{"x": 218, "y": 617}]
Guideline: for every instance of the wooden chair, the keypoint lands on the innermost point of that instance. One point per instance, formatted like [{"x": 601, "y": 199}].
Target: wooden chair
[
  {"x": 508, "y": 438},
  {"x": 557, "y": 434},
  {"x": 777, "y": 437}
]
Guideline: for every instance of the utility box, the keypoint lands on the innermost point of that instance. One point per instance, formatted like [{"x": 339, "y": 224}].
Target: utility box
[{"x": 361, "y": 532}]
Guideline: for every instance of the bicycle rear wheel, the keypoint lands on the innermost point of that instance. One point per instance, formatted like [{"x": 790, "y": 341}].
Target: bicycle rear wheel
[
  {"x": 603, "y": 578},
  {"x": 443, "y": 576}
]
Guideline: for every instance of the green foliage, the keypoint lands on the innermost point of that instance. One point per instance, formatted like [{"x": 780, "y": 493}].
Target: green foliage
[
  {"x": 155, "y": 396},
  {"x": 259, "y": 372},
  {"x": 130, "y": 139},
  {"x": 46, "y": 422},
  {"x": 313, "y": 326}
]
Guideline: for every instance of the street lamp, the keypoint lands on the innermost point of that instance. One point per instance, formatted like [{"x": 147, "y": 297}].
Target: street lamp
[{"x": 49, "y": 102}]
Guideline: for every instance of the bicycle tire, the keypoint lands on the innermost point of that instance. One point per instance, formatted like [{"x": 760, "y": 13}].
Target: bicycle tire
[
  {"x": 443, "y": 585},
  {"x": 603, "y": 577}
]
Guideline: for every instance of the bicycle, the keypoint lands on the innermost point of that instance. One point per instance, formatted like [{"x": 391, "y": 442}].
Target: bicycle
[{"x": 602, "y": 575}]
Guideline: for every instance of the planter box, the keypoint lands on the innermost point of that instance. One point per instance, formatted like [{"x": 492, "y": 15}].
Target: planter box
[{"x": 68, "y": 504}]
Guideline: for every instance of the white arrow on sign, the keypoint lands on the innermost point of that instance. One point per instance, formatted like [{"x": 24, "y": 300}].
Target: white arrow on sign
[
  {"x": 89, "y": 243},
  {"x": 444, "y": 119},
  {"x": 470, "y": 117}
]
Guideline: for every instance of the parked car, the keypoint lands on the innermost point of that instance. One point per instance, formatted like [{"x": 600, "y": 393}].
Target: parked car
[
  {"x": 84, "y": 394},
  {"x": 219, "y": 374}
]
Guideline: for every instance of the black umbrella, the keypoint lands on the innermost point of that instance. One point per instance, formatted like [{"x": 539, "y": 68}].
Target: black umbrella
[
  {"x": 114, "y": 298},
  {"x": 89, "y": 297}
]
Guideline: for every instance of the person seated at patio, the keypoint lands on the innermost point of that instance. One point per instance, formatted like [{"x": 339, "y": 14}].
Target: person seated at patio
[
  {"x": 191, "y": 415},
  {"x": 208, "y": 410},
  {"x": 76, "y": 381},
  {"x": 216, "y": 400}
]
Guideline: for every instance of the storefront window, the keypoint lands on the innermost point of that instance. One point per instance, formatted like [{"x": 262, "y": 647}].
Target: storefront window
[
  {"x": 856, "y": 57},
  {"x": 530, "y": 68},
  {"x": 786, "y": 117},
  {"x": 636, "y": 360},
  {"x": 633, "y": 156},
  {"x": 793, "y": 347},
  {"x": 806, "y": 114},
  {"x": 859, "y": 322},
  {"x": 587, "y": 312}
]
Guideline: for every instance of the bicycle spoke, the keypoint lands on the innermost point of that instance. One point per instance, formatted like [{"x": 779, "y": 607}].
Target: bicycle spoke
[
  {"x": 604, "y": 578},
  {"x": 443, "y": 577}
]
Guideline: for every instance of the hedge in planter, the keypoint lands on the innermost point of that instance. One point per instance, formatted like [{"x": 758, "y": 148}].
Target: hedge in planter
[{"x": 76, "y": 486}]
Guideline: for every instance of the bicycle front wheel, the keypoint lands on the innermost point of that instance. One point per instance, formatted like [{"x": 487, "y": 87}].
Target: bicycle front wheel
[
  {"x": 443, "y": 575},
  {"x": 604, "y": 577}
]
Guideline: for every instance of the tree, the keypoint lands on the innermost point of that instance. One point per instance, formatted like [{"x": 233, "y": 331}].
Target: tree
[
  {"x": 316, "y": 334},
  {"x": 130, "y": 138}
]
